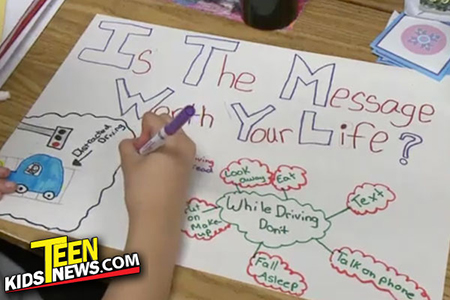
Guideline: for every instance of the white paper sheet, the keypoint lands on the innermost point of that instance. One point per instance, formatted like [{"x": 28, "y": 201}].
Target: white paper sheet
[
  {"x": 315, "y": 175},
  {"x": 9, "y": 63}
]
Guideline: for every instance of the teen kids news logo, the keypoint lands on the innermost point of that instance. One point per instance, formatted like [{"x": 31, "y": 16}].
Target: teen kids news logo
[{"x": 70, "y": 262}]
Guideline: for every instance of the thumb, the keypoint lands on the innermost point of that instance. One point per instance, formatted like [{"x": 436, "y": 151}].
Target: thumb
[{"x": 128, "y": 152}]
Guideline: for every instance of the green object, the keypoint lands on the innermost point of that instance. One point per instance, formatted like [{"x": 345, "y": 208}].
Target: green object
[{"x": 436, "y": 5}]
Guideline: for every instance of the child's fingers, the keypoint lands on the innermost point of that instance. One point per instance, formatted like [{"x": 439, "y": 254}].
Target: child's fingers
[
  {"x": 128, "y": 152},
  {"x": 4, "y": 172},
  {"x": 151, "y": 124},
  {"x": 7, "y": 187},
  {"x": 167, "y": 119}
]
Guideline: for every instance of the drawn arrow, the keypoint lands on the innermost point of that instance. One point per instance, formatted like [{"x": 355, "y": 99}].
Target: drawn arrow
[{"x": 77, "y": 162}]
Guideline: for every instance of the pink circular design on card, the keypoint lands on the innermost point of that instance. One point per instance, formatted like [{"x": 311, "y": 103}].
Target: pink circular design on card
[{"x": 424, "y": 39}]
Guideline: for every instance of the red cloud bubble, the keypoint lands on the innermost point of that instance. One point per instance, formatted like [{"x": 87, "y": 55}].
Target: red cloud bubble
[
  {"x": 369, "y": 198},
  {"x": 263, "y": 265},
  {"x": 247, "y": 173},
  {"x": 287, "y": 178},
  {"x": 202, "y": 220}
]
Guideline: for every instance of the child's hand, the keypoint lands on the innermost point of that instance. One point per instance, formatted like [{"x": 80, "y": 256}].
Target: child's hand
[
  {"x": 156, "y": 191},
  {"x": 6, "y": 187},
  {"x": 156, "y": 185}
]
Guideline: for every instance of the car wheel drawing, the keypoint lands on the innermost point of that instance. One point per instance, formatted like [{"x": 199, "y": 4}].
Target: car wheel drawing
[
  {"x": 41, "y": 174},
  {"x": 49, "y": 195},
  {"x": 21, "y": 189}
]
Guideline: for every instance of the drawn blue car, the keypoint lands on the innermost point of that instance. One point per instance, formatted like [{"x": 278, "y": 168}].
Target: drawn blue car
[{"x": 40, "y": 174}]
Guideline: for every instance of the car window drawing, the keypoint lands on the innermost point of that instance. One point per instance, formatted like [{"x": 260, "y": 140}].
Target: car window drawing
[{"x": 34, "y": 169}]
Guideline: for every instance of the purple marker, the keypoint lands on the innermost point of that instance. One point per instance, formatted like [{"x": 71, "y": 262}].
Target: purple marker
[{"x": 170, "y": 129}]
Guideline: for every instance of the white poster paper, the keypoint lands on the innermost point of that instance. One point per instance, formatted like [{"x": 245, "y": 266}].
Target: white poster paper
[{"x": 315, "y": 176}]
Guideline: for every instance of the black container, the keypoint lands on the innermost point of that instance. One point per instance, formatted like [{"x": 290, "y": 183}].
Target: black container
[{"x": 269, "y": 14}]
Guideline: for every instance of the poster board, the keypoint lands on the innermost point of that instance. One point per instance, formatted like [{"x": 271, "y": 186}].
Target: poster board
[{"x": 328, "y": 176}]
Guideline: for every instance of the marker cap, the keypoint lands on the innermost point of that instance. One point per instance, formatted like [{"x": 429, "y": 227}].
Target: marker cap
[{"x": 181, "y": 119}]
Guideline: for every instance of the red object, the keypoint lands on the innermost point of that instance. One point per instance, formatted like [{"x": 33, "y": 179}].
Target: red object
[
  {"x": 55, "y": 144},
  {"x": 28, "y": 16}
]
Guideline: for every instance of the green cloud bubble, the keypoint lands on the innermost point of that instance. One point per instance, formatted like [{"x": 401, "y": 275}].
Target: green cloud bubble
[{"x": 272, "y": 221}]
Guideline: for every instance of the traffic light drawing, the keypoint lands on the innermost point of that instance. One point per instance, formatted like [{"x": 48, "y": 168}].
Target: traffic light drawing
[{"x": 58, "y": 136}]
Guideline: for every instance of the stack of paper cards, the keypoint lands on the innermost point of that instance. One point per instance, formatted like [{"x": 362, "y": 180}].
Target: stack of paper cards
[
  {"x": 420, "y": 44},
  {"x": 21, "y": 23}
]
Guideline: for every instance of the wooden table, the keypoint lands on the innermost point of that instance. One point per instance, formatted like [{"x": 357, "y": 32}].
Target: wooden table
[{"x": 335, "y": 27}]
